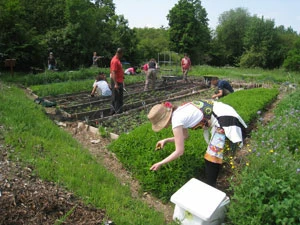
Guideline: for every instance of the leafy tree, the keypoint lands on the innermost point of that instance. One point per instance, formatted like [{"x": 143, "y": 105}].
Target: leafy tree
[
  {"x": 286, "y": 40},
  {"x": 292, "y": 62},
  {"x": 151, "y": 41},
  {"x": 217, "y": 53},
  {"x": 261, "y": 38},
  {"x": 230, "y": 34},
  {"x": 44, "y": 15},
  {"x": 19, "y": 39},
  {"x": 189, "y": 30},
  {"x": 72, "y": 29}
]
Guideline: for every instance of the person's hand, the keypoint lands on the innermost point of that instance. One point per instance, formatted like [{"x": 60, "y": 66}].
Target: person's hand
[
  {"x": 159, "y": 145},
  {"x": 155, "y": 166}
]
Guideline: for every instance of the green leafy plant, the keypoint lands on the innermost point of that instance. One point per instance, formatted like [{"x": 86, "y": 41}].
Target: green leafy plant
[{"x": 103, "y": 132}]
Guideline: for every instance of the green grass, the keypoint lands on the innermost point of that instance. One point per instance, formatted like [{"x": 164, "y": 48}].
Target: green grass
[
  {"x": 55, "y": 83},
  {"x": 267, "y": 187},
  {"x": 57, "y": 157}
]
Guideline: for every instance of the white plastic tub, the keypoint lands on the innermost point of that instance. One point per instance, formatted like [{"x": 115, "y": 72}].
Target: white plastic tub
[{"x": 197, "y": 203}]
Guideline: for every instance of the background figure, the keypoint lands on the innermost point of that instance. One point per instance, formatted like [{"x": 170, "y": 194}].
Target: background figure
[
  {"x": 185, "y": 66},
  {"x": 223, "y": 87},
  {"x": 144, "y": 68},
  {"x": 51, "y": 62},
  {"x": 221, "y": 118},
  {"x": 95, "y": 59},
  {"x": 130, "y": 71},
  {"x": 151, "y": 74},
  {"x": 101, "y": 86},
  {"x": 117, "y": 79}
]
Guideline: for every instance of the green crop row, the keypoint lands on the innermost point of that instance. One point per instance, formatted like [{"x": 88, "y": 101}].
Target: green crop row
[
  {"x": 74, "y": 86},
  {"x": 49, "y": 77},
  {"x": 268, "y": 188},
  {"x": 250, "y": 103},
  {"x": 136, "y": 149}
]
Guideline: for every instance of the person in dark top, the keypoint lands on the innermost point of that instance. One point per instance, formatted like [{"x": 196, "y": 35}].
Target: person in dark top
[
  {"x": 151, "y": 74},
  {"x": 51, "y": 62},
  {"x": 223, "y": 87}
]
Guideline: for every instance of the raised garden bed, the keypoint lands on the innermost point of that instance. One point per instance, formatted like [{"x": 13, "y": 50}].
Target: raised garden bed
[{"x": 95, "y": 111}]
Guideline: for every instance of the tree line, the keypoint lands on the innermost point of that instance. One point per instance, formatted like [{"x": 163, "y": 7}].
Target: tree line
[{"x": 74, "y": 29}]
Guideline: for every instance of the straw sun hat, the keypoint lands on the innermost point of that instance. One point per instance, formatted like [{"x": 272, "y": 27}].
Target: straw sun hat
[{"x": 160, "y": 116}]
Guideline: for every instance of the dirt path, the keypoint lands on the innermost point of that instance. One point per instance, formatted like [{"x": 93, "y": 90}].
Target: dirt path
[{"x": 97, "y": 147}]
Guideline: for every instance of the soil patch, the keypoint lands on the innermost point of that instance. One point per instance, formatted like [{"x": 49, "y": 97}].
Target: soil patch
[
  {"x": 26, "y": 199},
  {"x": 97, "y": 147}
]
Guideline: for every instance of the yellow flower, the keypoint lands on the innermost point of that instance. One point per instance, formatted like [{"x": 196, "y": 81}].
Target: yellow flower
[
  {"x": 232, "y": 167},
  {"x": 271, "y": 151},
  {"x": 247, "y": 164},
  {"x": 249, "y": 150}
]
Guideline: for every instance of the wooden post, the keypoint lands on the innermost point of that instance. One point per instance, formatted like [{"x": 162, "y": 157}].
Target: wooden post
[{"x": 10, "y": 63}]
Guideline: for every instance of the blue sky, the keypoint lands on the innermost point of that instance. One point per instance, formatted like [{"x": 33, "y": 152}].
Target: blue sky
[{"x": 152, "y": 13}]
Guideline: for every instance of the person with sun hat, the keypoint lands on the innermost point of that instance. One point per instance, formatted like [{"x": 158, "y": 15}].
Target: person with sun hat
[{"x": 221, "y": 118}]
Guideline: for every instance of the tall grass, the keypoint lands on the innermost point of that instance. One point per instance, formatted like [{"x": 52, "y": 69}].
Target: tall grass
[
  {"x": 57, "y": 157},
  {"x": 267, "y": 189}
]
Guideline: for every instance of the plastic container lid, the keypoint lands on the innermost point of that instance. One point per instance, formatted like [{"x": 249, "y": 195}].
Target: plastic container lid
[{"x": 198, "y": 198}]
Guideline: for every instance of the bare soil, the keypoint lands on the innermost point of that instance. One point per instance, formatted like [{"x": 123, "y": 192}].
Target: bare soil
[{"x": 26, "y": 199}]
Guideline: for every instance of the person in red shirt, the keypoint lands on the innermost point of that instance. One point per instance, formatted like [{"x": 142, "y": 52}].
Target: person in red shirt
[
  {"x": 185, "y": 66},
  {"x": 145, "y": 68},
  {"x": 117, "y": 80}
]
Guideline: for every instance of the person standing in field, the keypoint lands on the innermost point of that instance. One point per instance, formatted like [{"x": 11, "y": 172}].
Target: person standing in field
[
  {"x": 151, "y": 74},
  {"x": 117, "y": 80},
  {"x": 51, "y": 62},
  {"x": 95, "y": 59},
  {"x": 185, "y": 66}
]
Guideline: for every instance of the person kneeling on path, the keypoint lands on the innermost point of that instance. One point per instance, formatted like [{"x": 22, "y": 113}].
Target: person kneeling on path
[
  {"x": 223, "y": 87},
  {"x": 221, "y": 118},
  {"x": 101, "y": 86}
]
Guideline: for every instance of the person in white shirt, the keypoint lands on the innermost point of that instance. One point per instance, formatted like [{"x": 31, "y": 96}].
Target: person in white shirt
[
  {"x": 101, "y": 86},
  {"x": 221, "y": 118}
]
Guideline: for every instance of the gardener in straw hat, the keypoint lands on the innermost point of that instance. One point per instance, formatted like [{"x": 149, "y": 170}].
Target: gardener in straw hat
[{"x": 223, "y": 120}]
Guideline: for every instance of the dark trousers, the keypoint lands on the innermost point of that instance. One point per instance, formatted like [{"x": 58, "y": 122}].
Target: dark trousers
[
  {"x": 211, "y": 172},
  {"x": 117, "y": 98}
]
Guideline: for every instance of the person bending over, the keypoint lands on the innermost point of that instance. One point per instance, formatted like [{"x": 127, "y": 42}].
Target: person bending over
[{"x": 221, "y": 118}]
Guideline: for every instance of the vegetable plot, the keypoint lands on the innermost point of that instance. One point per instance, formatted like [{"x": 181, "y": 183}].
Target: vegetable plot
[{"x": 136, "y": 149}]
